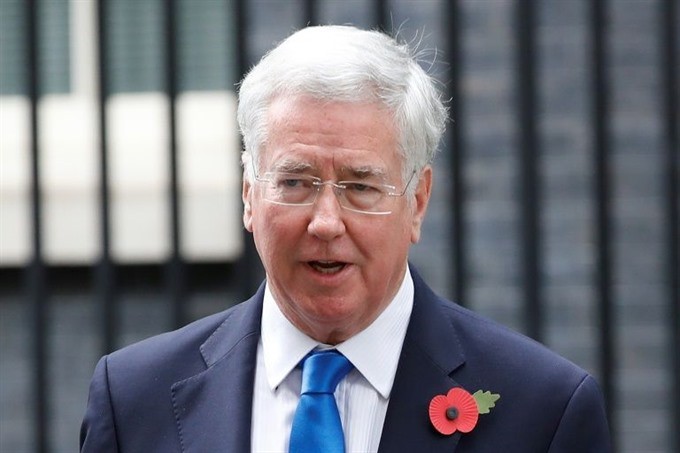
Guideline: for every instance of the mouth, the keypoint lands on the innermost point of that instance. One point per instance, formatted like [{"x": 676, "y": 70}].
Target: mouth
[{"x": 327, "y": 267}]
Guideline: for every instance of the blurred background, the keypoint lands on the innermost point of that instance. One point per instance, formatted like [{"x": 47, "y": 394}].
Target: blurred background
[{"x": 555, "y": 207}]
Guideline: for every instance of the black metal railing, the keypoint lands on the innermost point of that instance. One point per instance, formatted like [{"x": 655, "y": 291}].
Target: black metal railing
[
  {"x": 529, "y": 160},
  {"x": 602, "y": 197},
  {"x": 36, "y": 290},
  {"x": 247, "y": 267}
]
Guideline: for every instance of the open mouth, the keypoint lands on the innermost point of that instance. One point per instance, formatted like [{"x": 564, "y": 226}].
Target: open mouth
[{"x": 327, "y": 267}]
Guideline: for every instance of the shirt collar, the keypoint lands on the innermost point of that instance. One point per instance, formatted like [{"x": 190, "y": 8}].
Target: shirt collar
[
  {"x": 374, "y": 351},
  {"x": 283, "y": 345}
]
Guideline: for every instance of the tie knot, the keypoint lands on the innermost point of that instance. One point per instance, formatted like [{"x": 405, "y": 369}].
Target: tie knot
[{"x": 323, "y": 370}]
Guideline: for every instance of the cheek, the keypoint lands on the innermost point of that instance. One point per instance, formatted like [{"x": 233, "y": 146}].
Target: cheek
[
  {"x": 386, "y": 242},
  {"x": 269, "y": 248},
  {"x": 275, "y": 234}
]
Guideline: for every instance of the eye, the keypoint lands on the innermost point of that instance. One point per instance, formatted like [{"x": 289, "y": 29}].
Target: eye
[
  {"x": 359, "y": 187},
  {"x": 291, "y": 182}
]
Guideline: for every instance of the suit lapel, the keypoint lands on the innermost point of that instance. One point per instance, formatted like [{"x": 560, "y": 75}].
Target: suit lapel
[
  {"x": 430, "y": 354},
  {"x": 213, "y": 408}
]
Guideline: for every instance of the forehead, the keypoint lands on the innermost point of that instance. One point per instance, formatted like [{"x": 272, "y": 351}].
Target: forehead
[{"x": 345, "y": 134}]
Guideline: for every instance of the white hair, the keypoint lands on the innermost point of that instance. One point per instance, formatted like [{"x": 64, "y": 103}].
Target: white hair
[{"x": 346, "y": 64}]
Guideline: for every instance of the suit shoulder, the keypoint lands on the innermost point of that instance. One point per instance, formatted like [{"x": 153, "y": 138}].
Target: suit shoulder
[
  {"x": 163, "y": 352},
  {"x": 488, "y": 340},
  {"x": 542, "y": 389}
]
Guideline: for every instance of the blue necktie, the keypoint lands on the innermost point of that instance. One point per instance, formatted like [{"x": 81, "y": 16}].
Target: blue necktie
[{"x": 316, "y": 426}]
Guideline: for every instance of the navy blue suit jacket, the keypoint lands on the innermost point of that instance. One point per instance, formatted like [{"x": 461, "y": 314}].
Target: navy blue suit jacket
[{"x": 191, "y": 390}]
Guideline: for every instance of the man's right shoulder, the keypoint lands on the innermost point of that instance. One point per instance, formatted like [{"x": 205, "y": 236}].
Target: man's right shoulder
[{"x": 176, "y": 354}]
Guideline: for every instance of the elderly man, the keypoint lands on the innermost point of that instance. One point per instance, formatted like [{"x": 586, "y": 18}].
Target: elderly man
[{"x": 344, "y": 347}]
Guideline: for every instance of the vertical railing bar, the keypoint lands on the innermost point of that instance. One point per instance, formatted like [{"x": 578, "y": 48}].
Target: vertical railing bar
[
  {"x": 380, "y": 15},
  {"x": 453, "y": 22},
  {"x": 311, "y": 12},
  {"x": 175, "y": 272},
  {"x": 241, "y": 32},
  {"x": 249, "y": 268},
  {"x": 670, "y": 95},
  {"x": 36, "y": 272},
  {"x": 529, "y": 166},
  {"x": 106, "y": 290},
  {"x": 603, "y": 228}
]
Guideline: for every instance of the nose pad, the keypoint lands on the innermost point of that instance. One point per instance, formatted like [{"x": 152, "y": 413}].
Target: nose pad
[
  {"x": 331, "y": 196},
  {"x": 328, "y": 199},
  {"x": 327, "y": 221}
]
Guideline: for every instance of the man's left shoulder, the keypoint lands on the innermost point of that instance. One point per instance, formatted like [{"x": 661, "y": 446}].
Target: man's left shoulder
[
  {"x": 488, "y": 342},
  {"x": 537, "y": 387}
]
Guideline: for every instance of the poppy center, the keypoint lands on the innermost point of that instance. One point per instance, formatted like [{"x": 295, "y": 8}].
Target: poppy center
[{"x": 452, "y": 413}]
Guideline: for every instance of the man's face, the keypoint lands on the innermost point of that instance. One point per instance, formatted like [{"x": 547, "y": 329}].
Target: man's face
[{"x": 333, "y": 271}]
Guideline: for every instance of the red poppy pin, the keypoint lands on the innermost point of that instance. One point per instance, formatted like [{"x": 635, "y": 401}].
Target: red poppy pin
[{"x": 459, "y": 410}]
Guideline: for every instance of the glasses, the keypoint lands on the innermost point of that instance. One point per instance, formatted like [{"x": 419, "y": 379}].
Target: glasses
[{"x": 364, "y": 197}]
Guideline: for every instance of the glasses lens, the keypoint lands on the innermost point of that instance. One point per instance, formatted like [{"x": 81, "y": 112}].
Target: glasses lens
[
  {"x": 362, "y": 196},
  {"x": 290, "y": 188},
  {"x": 294, "y": 189}
]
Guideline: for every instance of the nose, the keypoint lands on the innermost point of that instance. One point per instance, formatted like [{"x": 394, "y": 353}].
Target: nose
[{"x": 326, "y": 222}]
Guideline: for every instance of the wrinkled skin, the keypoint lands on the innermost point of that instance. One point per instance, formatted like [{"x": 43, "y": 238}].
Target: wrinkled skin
[{"x": 333, "y": 271}]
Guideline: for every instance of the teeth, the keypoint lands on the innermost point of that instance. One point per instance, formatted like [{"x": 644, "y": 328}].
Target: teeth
[{"x": 327, "y": 267}]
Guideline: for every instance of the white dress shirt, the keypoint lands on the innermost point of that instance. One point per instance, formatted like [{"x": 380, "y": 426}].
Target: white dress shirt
[{"x": 362, "y": 396}]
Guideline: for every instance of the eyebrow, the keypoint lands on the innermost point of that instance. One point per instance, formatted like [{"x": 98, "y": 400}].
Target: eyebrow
[
  {"x": 360, "y": 172},
  {"x": 364, "y": 172},
  {"x": 292, "y": 166}
]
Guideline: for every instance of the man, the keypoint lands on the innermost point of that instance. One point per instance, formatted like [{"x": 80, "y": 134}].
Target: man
[{"x": 340, "y": 126}]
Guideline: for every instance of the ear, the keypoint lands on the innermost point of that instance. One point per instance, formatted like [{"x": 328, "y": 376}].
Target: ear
[
  {"x": 246, "y": 196},
  {"x": 422, "y": 198}
]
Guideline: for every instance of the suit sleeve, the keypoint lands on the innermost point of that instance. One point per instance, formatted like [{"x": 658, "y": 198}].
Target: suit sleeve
[
  {"x": 98, "y": 430},
  {"x": 583, "y": 426}
]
